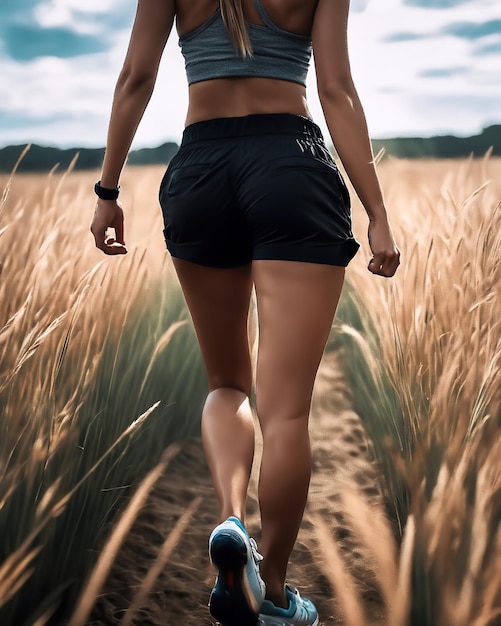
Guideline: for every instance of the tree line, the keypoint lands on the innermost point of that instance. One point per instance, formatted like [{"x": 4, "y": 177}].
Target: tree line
[{"x": 43, "y": 158}]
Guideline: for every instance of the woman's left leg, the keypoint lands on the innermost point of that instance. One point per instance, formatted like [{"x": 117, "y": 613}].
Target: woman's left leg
[{"x": 218, "y": 300}]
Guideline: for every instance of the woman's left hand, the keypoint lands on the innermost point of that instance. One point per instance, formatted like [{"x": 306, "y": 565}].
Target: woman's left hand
[
  {"x": 109, "y": 214},
  {"x": 386, "y": 255}
]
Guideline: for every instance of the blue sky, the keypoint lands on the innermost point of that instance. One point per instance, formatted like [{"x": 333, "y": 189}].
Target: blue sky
[{"x": 422, "y": 67}]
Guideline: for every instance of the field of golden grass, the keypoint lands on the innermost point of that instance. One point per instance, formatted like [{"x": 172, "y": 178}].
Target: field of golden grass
[{"x": 100, "y": 374}]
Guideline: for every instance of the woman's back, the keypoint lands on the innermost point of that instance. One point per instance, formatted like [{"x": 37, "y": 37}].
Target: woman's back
[
  {"x": 293, "y": 15},
  {"x": 227, "y": 95}
]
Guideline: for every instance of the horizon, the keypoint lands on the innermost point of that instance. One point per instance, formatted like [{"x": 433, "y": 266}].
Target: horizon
[{"x": 168, "y": 141}]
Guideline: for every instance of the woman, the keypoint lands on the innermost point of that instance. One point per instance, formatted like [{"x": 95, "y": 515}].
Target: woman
[{"x": 253, "y": 198}]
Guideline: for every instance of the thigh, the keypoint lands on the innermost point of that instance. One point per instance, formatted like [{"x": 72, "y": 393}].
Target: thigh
[
  {"x": 296, "y": 306},
  {"x": 218, "y": 300}
]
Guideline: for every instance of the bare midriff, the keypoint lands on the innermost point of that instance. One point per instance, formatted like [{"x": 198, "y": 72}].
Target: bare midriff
[{"x": 237, "y": 97}]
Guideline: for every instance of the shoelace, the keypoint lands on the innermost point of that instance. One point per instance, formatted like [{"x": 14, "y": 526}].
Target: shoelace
[
  {"x": 257, "y": 557},
  {"x": 299, "y": 602}
]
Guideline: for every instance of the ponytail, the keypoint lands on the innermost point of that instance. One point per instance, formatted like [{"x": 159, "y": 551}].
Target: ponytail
[{"x": 233, "y": 18}]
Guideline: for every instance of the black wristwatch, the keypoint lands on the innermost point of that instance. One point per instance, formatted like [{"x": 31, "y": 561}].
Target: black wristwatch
[{"x": 105, "y": 193}]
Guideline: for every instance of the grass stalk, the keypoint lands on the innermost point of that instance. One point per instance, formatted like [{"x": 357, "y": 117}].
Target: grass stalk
[
  {"x": 164, "y": 554},
  {"x": 110, "y": 549}
]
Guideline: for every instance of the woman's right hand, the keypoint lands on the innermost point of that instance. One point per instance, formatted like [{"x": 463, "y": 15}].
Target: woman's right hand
[
  {"x": 109, "y": 214},
  {"x": 385, "y": 254}
]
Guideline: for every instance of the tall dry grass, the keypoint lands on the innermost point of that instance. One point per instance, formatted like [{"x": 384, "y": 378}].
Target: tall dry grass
[
  {"x": 100, "y": 372},
  {"x": 422, "y": 354}
]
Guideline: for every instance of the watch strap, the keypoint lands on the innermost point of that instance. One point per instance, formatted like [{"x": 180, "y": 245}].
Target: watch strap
[{"x": 105, "y": 193}]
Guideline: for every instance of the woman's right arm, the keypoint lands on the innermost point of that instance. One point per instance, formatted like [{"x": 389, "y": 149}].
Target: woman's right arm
[
  {"x": 152, "y": 27},
  {"x": 348, "y": 128}
]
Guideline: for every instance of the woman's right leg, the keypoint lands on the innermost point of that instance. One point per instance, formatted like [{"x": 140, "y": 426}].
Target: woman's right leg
[{"x": 296, "y": 305}]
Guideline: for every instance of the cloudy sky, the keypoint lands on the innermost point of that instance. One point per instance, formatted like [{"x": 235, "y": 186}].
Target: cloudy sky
[{"x": 422, "y": 67}]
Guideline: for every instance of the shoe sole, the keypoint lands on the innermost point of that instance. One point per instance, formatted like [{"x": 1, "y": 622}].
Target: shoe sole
[
  {"x": 229, "y": 602},
  {"x": 277, "y": 621}
]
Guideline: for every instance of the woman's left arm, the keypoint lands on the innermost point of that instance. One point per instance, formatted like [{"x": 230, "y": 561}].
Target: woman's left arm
[
  {"x": 152, "y": 27},
  {"x": 348, "y": 128}
]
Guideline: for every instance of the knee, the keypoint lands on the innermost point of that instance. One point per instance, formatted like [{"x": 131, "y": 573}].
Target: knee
[
  {"x": 227, "y": 393},
  {"x": 237, "y": 381},
  {"x": 282, "y": 427},
  {"x": 281, "y": 412}
]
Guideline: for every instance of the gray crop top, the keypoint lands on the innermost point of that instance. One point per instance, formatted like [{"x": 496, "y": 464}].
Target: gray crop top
[{"x": 277, "y": 53}]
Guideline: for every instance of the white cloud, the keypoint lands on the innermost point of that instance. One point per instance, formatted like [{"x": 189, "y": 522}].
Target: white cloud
[
  {"x": 358, "y": 5},
  {"x": 62, "y": 12},
  {"x": 75, "y": 15},
  {"x": 390, "y": 76}
]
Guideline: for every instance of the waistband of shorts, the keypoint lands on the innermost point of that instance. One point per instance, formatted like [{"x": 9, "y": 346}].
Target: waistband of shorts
[{"x": 252, "y": 125}]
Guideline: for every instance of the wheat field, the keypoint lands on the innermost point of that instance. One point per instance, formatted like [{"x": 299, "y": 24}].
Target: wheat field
[{"x": 101, "y": 380}]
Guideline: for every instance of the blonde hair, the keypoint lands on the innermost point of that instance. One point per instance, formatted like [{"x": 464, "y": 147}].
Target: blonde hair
[{"x": 234, "y": 20}]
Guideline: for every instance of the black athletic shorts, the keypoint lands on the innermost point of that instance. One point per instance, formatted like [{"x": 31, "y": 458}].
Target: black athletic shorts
[{"x": 256, "y": 187}]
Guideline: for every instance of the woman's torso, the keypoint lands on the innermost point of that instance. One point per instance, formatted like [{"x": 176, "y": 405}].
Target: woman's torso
[{"x": 239, "y": 96}]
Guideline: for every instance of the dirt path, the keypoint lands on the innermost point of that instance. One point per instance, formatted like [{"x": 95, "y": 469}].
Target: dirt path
[{"x": 180, "y": 593}]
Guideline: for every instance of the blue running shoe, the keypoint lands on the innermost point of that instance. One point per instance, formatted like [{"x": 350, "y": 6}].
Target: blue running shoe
[
  {"x": 301, "y": 611},
  {"x": 239, "y": 590}
]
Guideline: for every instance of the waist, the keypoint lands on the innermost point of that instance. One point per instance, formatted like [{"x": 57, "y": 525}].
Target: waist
[
  {"x": 252, "y": 125},
  {"x": 238, "y": 97}
]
